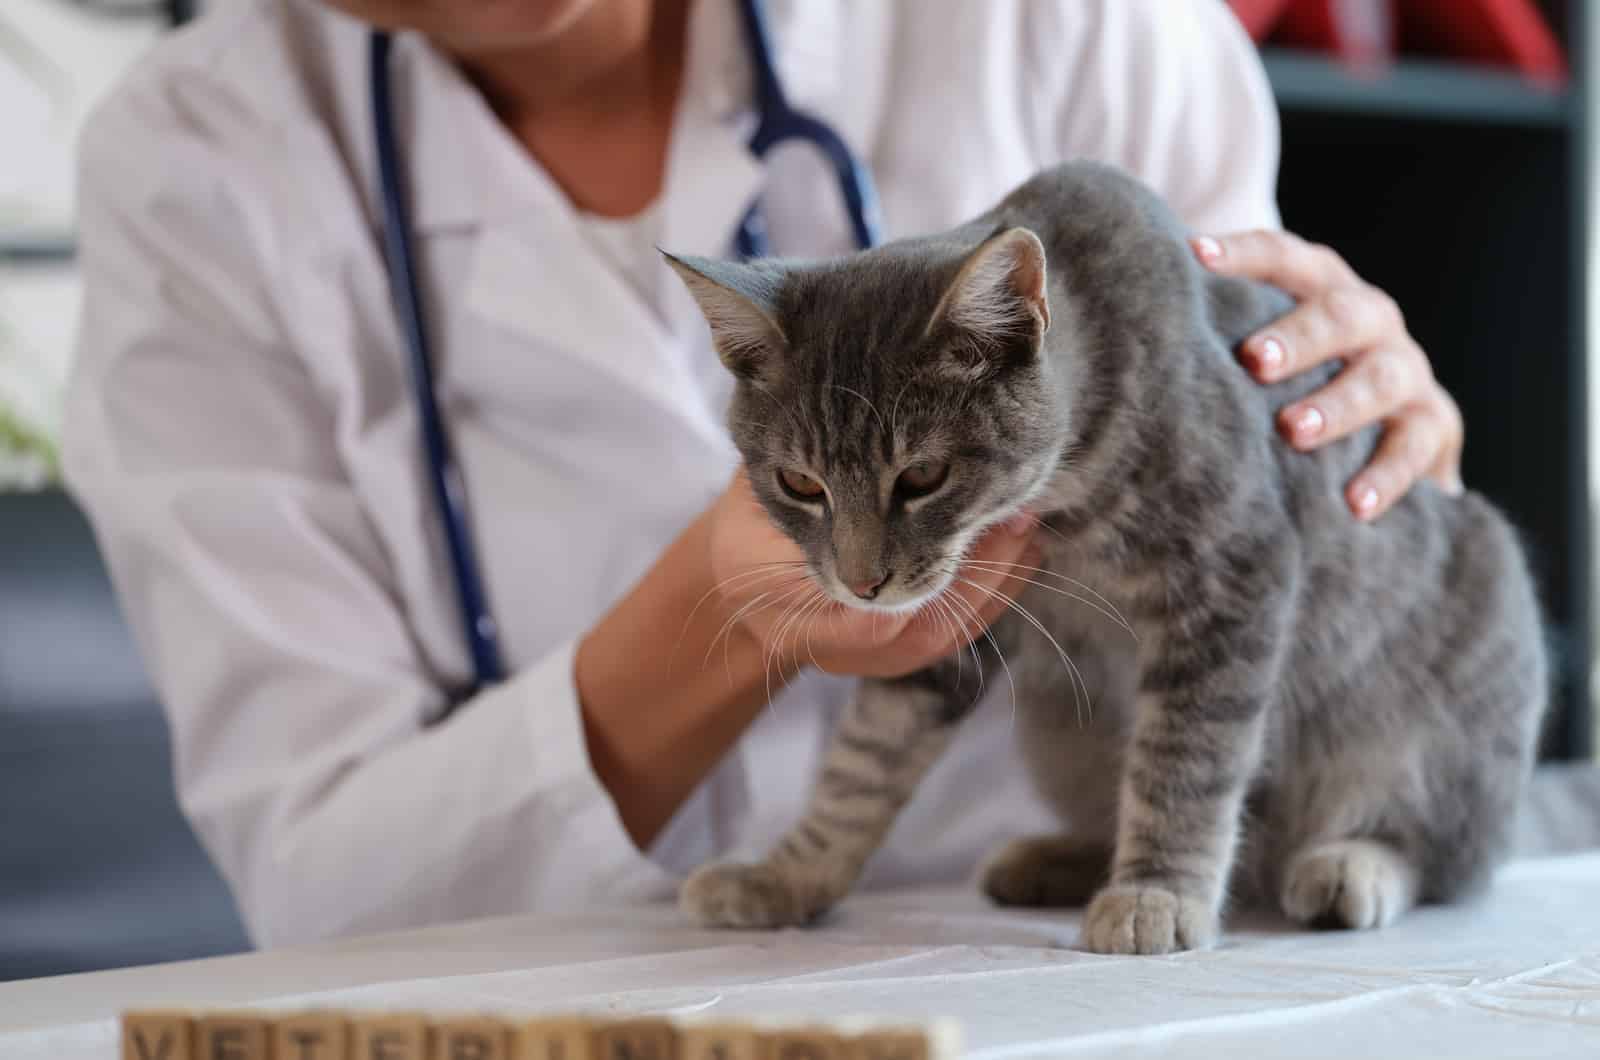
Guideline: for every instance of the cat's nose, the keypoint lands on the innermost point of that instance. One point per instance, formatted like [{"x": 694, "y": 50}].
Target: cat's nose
[{"x": 868, "y": 587}]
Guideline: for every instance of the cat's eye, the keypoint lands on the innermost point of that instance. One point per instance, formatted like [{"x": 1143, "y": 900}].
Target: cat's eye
[
  {"x": 921, "y": 479},
  {"x": 800, "y": 486}
]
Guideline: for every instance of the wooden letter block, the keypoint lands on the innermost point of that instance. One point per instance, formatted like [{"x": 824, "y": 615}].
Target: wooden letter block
[
  {"x": 890, "y": 1045},
  {"x": 310, "y": 1036},
  {"x": 471, "y": 1039},
  {"x": 157, "y": 1036},
  {"x": 807, "y": 1043},
  {"x": 551, "y": 1039},
  {"x": 718, "y": 1041},
  {"x": 231, "y": 1036},
  {"x": 643, "y": 1039},
  {"x": 394, "y": 1036}
]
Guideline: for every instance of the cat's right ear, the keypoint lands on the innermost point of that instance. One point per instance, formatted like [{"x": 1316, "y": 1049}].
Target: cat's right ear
[
  {"x": 738, "y": 302},
  {"x": 998, "y": 302}
]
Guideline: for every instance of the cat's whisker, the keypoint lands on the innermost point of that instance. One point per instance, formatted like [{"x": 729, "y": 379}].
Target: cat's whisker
[
  {"x": 810, "y": 625},
  {"x": 894, "y": 412},
  {"x": 728, "y": 623},
  {"x": 802, "y": 624},
  {"x": 1109, "y": 610},
  {"x": 740, "y": 614},
  {"x": 756, "y": 573},
  {"x": 956, "y": 625},
  {"x": 1085, "y": 586},
  {"x": 791, "y": 624},
  {"x": 768, "y": 651},
  {"x": 856, "y": 393},
  {"x": 957, "y": 601},
  {"x": 936, "y": 608},
  {"x": 750, "y": 607},
  {"x": 773, "y": 655},
  {"x": 782, "y": 406},
  {"x": 1077, "y": 700},
  {"x": 1045, "y": 526}
]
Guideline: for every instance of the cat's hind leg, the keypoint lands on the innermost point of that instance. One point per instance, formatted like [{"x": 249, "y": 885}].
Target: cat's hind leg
[
  {"x": 887, "y": 739},
  {"x": 1350, "y": 883},
  {"x": 1047, "y": 871}
]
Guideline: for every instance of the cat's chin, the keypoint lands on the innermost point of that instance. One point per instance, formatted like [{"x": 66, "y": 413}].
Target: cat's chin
[{"x": 911, "y": 602}]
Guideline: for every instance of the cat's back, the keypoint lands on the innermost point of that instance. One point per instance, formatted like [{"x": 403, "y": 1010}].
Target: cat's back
[
  {"x": 1084, "y": 209},
  {"x": 1123, "y": 253}
]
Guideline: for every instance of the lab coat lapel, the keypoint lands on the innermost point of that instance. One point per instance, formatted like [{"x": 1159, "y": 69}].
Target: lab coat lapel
[
  {"x": 534, "y": 273},
  {"x": 539, "y": 279},
  {"x": 713, "y": 180},
  {"x": 432, "y": 97}
]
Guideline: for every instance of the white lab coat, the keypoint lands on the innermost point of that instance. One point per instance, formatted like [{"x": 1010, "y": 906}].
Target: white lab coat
[{"x": 241, "y": 429}]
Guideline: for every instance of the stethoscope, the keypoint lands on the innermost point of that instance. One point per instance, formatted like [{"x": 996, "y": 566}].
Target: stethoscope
[{"x": 777, "y": 122}]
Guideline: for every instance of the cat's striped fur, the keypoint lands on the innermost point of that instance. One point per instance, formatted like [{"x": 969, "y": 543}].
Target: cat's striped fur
[{"x": 1334, "y": 716}]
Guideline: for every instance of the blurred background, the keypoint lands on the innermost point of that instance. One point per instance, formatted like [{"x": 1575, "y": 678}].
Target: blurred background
[{"x": 1444, "y": 147}]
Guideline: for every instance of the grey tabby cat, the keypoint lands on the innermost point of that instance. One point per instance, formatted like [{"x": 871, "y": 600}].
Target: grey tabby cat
[{"x": 1297, "y": 706}]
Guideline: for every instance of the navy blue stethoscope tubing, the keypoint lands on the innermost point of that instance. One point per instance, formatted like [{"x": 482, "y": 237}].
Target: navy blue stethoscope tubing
[
  {"x": 777, "y": 122},
  {"x": 444, "y": 474}
]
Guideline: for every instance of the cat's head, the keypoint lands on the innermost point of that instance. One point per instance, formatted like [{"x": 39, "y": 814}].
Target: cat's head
[{"x": 890, "y": 405}]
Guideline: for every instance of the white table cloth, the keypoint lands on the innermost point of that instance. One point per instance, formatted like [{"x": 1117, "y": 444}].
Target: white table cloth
[{"x": 1515, "y": 974}]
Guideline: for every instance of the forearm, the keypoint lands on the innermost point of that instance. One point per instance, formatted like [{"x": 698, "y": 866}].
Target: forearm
[{"x": 658, "y": 715}]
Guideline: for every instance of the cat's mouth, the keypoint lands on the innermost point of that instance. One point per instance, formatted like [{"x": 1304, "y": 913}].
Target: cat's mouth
[
  {"x": 895, "y": 595},
  {"x": 925, "y": 579}
]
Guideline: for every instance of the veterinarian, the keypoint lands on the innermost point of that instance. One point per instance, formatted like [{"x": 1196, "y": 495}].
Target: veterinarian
[{"x": 243, "y": 429}]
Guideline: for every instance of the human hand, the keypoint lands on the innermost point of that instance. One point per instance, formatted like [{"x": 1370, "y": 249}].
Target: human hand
[
  {"x": 763, "y": 587},
  {"x": 1386, "y": 378}
]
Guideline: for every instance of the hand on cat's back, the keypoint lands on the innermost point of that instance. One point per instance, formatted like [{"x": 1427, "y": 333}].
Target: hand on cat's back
[
  {"x": 1386, "y": 378},
  {"x": 765, "y": 589}
]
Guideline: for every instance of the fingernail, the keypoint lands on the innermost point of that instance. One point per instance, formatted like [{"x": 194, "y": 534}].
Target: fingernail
[
  {"x": 1366, "y": 501},
  {"x": 1269, "y": 356},
  {"x": 1455, "y": 487},
  {"x": 1306, "y": 422},
  {"x": 1209, "y": 249}
]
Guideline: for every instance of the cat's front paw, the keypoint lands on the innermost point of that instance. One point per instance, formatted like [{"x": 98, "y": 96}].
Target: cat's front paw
[
  {"x": 1147, "y": 919},
  {"x": 744, "y": 896}
]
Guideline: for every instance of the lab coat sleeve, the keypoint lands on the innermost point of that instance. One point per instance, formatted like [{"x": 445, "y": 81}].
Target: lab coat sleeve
[
  {"x": 247, "y": 566},
  {"x": 1172, "y": 91}
]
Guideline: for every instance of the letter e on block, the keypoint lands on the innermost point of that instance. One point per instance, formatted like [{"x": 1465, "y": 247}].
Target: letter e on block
[
  {"x": 392, "y": 1036},
  {"x": 231, "y": 1036}
]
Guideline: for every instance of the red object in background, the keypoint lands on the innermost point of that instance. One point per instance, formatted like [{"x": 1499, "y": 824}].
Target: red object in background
[
  {"x": 1510, "y": 33},
  {"x": 1497, "y": 32},
  {"x": 1359, "y": 31},
  {"x": 1259, "y": 16}
]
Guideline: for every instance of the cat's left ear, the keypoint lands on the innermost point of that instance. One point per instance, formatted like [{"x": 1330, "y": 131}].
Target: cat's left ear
[
  {"x": 738, "y": 301},
  {"x": 998, "y": 296}
]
